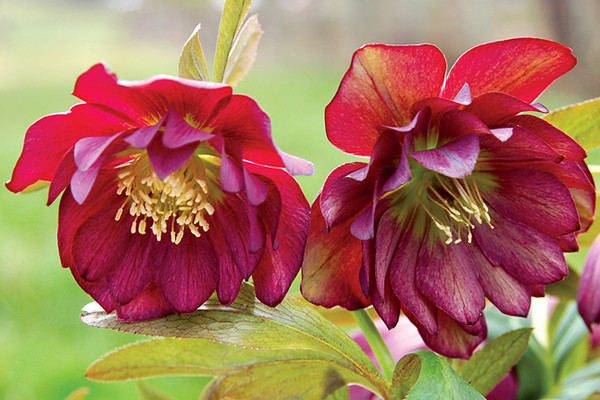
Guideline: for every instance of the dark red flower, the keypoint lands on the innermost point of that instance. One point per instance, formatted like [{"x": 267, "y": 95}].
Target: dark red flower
[
  {"x": 174, "y": 189},
  {"x": 464, "y": 197}
]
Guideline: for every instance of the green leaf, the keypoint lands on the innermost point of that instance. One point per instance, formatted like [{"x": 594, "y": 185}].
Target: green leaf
[
  {"x": 490, "y": 365},
  {"x": 580, "y": 121},
  {"x": 565, "y": 289},
  {"x": 534, "y": 372},
  {"x": 244, "y": 342},
  {"x": 435, "y": 379},
  {"x": 192, "y": 64},
  {"x": 297, "y": 380},
  {"x": 243, "y": 52},
  {"x": 147, "y": 392},
  {"x": 581, "y": 384},
  {"x": 234, "y": 12}
]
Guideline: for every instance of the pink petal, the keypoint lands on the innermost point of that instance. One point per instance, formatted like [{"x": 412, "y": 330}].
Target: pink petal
[
  {"x": 89, "y": 149},
  {"x": 383, "y": 82},
  {"x": 455, "y": 159},
  {"x": 447, "y": 276},
  {"x": 82, "y": 181},
  {"x": 179, "y": 132},
  {"x": 256, "y": 190},
  {"x": 526, "y": 254},
  {"x": 535, "y": 198},
  {"x": 143, "y": 136},
  {"x": 165, "y": 161},
  {"x": 329, "y": 257},
  {"x": 588, "y": 295},
  {"x": 522, "y": 67}
]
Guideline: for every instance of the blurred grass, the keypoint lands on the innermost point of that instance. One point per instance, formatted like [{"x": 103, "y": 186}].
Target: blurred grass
[{"x": 43, "y": 48}]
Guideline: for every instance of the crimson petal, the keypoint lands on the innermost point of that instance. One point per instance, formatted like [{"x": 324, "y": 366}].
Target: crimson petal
[
  {"x": 382, "y": 83},
  {"x": 327, "y": 257},
  {"x": 526, "y": 254},
  {"x": 522, "y": 67},
  {"x": 536, "y": 198},
  {"x": 447, "y": 275}
]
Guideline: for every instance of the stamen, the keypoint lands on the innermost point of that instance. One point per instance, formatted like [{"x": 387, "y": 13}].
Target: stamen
[{"x": 177, "y": 203}]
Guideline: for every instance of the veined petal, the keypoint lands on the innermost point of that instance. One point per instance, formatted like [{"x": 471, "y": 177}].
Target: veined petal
[
  {"x": 521, "y": 146},
  {"x": 329, "y": 256},
  {"x": 187, "y": 273},
  {"x": 526, "y": 254},
  {"x": 338, "y": 188},
  {"x": 588, "y": 295},
  {"x": 403, "y": 278},
  {"x": 535, "y": 198},
  {"x": 284, "y": 248},
  {"x": 89, "y": 149},
  {"x": 383, "y": 82},
  {"x": 522, "y": 67},
  {"x": 455, "y": 159},
  {"x": 447, "y": 275},
  {"x": 453, "y": 339},
  {"x": 557, "y": 139},
  {"x": 505, "y": 292}
]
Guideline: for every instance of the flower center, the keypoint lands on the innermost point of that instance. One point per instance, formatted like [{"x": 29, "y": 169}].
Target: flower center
[
  {"x": 178, "y": 202},
  {"x": 454, "y": 205}
]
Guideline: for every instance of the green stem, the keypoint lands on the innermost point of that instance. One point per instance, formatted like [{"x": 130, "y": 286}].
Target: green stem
[{"x": 380, "y": 350}]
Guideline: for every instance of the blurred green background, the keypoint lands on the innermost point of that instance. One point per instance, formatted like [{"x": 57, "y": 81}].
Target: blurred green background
[{"x": 45, "y": 45}]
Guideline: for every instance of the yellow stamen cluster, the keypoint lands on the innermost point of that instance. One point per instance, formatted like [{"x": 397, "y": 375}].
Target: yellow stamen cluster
[
  {"x": 460, "y": 202},
  {"x": 175, "y": 203}
]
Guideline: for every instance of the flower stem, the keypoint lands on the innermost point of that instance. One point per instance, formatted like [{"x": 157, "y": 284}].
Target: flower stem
[{"x": 380, "y": 350}]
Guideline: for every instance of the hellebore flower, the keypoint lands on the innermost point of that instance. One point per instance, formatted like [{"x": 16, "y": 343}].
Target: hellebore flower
[
  {"x": 173, "y": 189},
  {"x": 588, "y": 292},
  {"x": 464, "y": 196}
]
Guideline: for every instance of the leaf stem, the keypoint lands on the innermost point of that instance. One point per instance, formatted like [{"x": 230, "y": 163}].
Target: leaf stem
[{"x": 380, "y": 350}]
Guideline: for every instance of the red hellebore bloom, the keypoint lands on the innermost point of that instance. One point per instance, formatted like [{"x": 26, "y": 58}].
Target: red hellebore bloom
[
  {"x": 174, "y": 189},
  {"x": 464, "y": 196}
]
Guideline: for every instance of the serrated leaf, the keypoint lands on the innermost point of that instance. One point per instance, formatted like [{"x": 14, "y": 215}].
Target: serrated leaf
[
  {"x": 490, "y": 365},
  {"x": 243, "y": 341},
  {"x": 580, "y": 121},
  {"x": 243, "y": 52},
  {"x": 234, "y": 12},
  {"x": 192, "y": 64},
  {"x": 436, "y": 379}
]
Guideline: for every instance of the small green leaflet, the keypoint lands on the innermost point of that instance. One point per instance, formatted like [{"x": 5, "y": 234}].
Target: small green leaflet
[
  {"x": 192, "y": 64},
  {"x": 433, "y": 379},
  {"x": 234, "y": 12},
  {"x": 243, "y": 52},
  {"x": 245, "y": 345},
  {"x": 488, "y": 366},
  {"x": 580, "y": 121}
]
